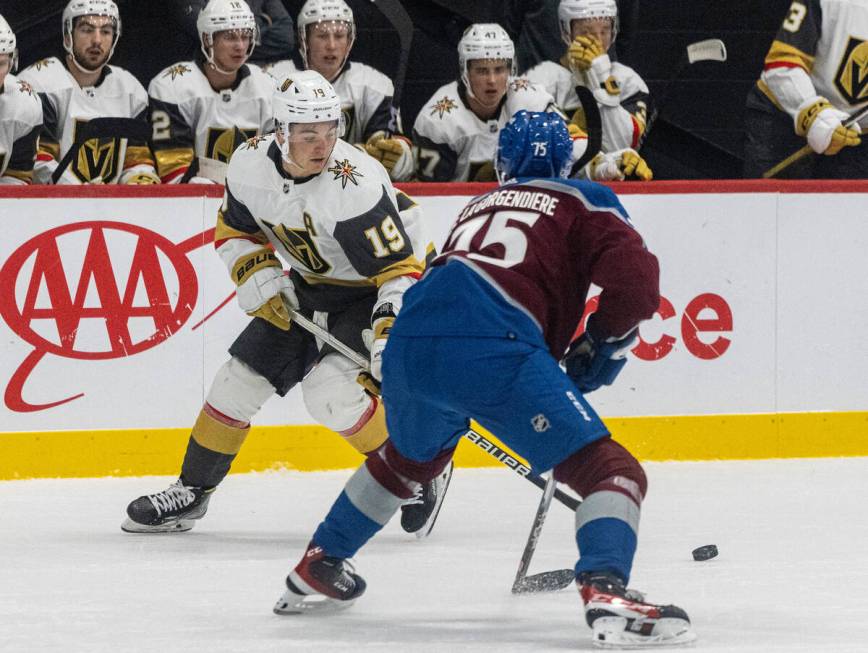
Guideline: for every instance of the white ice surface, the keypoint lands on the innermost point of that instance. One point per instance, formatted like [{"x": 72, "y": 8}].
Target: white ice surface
[{"x": 791, "y": 575}]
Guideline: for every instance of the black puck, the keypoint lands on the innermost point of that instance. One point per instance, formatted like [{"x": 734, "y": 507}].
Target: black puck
[{"x": 706, "y": 552}]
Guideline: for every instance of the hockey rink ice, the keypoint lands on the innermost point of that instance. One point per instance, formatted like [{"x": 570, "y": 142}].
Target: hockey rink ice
[{"x": 791, "y": 575}]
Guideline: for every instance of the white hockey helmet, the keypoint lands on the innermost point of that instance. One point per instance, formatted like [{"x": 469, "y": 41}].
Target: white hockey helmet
[
  {"x": 324, "y": 11},
  {"x": 570, "y": 10},
  {"x": 305, "y": 97},
  {"x": 77, "y": 8},
  {"x": 8, "y": 43},
  {"x": 484, "y": 41},
  {"x": 223, "y": 16}
]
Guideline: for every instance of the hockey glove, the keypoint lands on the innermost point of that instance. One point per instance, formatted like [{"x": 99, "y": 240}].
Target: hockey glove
[
  {"x": 583, "y": 51},
  {"x": 263, "y": 289},
  {"x": 591, "y": 364},
  {"x": 394, "y": 153},
  {"x": 820, "y": 123},
  {"x": 139, "y": 175},
  {"x": 620, "y": 165}
]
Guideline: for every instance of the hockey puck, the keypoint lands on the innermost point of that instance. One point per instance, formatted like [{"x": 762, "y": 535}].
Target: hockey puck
[{"x": 706, "y": 552}]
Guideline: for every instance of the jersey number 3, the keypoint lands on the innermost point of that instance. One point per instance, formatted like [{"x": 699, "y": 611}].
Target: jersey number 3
[{"x": 500, "y": 228}]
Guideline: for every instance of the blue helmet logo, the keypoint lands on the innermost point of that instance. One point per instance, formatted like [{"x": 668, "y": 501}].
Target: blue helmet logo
[{"x": 534, "y": 144}]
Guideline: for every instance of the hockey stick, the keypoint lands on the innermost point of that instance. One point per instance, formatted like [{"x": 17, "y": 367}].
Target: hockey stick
[
  {"x": 594, "y": 127},
  {"x": 707, "y": 50},
  {"x": 801, "y": 153},
  {"x": 547, "y": 581},
  {"x": 395, "y": 13},
  {"x": 476, "y": 438}
]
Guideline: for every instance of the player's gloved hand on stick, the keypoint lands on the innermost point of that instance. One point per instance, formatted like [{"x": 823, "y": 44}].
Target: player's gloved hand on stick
[
  {"x": 263, "y": 289},
  {"x": 394, "y": 153},
  {"x": 594, "y": 362},
  {"x": 821, "y": 124}
]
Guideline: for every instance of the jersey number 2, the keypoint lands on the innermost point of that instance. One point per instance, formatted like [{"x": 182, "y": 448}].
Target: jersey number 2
[{"x": 501, "y": 230}]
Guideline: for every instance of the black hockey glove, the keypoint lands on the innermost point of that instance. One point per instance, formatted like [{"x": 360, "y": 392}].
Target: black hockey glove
[{"x": 591, "y": 364}]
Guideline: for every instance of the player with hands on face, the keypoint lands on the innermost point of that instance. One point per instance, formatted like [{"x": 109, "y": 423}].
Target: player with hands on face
[
  {"x": 326, "y": 34},
  {"x": 303, "y": 199},
  {"x": 588, "y": 28}
]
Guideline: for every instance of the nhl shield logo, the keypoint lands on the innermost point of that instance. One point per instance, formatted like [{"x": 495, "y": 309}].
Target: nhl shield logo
[{"x": 540, "y": 423}]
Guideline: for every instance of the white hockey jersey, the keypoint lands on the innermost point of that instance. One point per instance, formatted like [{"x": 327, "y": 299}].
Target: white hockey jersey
[
  {"x": 344, "y": 233},
  {"x": 622, "y": 124},
  {"x": 365, "y": 93},
  {"x": 453, "y": 144},
  {"x": 190, "y": 118},
  {"x": 820, "y": 49},
  {"x": 66, "y": 105},
  {"x": 19, "y": 130}
]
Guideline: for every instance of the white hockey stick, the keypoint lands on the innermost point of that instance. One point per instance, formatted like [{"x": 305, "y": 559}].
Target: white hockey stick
[
  {"x": 707, "y": 50},
  {"x": 547, "y": 581}
]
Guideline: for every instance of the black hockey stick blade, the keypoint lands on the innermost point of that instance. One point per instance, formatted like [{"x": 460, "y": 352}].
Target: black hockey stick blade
[
  {"x": 547, "y": 581},
  {"x": 594, "y": 127},
  {"x": 400, "y": 20}
]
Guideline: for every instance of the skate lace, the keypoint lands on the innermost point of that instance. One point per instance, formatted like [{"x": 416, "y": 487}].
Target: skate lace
[
  {"x": 417, "y": 497},
  {"x": 175, "y": 497}
]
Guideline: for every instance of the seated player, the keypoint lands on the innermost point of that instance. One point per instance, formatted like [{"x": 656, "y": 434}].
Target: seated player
[
  {"x": 84, "y": 86},
  {"x": 202, "y": 110},
  {"x": 22, "y": 115},
  {"x": 326, "y": 33},
  {"x": 589, "y": 29},
  {"x": 455, "y": 133}
]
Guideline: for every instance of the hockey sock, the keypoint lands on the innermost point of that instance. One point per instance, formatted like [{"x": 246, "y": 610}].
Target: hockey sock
[
  {"x": 214, "y": 442},
  {"x": 370, "y": 498},
  {"x": 612, "y": 484}
]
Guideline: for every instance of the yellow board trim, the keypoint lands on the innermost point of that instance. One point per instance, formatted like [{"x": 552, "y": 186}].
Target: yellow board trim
[{"x": 136, "y": 452}]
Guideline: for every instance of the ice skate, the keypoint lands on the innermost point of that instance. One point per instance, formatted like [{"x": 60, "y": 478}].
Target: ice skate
[
  {"x": 320, "y": 583},
  {"x": 621, "y": 619},
  {"x": 420, "y": 512},
  {"x": 174, "y": 510}
]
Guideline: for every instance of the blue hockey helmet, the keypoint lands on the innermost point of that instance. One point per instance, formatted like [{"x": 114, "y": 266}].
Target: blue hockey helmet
[{"x": 534, "y": 144}]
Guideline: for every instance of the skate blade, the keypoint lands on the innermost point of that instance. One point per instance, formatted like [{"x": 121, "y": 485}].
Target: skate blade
[
  {"x": 315, "y": 604},
  {"x": 547, "y": 581},
  {"x": 180, "y": 526},
  {"x": 428, "y": 526},
  {"x": 611, "y": 633}
]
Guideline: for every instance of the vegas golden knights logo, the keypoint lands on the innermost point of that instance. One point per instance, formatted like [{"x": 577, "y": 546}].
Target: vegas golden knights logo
[
  {"x": 97, "y": 158},
  {"x": 300, "y": 245},
  {"x": 222, "y": 142},
  {"x": 851, "y": 80}
]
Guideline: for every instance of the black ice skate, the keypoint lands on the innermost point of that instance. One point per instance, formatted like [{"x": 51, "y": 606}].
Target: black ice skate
[
  {"x": 620, "y": 618},
  {"x": 320, "y": 583},
  {"x": 173, "y": 510},
  {"x": 420, "y": 512}
]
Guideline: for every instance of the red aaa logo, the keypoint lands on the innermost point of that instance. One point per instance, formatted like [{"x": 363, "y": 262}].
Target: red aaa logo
[{"x": 47, "y": 296}]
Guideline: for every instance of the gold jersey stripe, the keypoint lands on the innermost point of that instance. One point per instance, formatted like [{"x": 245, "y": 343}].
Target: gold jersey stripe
[
  {"x": 223, "y": 231},
  {"x": 23, "y": 175},
  {"x": 50, "y": 148},
  {"x": 169, "y": 161},
  {"x": 781, "y": 52},
  {"x": 409, "y": 265},
  {"x": 216, "y": 436},
  {"x": 137, "y": 155}
]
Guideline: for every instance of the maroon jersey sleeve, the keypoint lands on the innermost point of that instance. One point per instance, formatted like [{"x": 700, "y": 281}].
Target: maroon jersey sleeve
[{"x": 543, "y": 242}]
